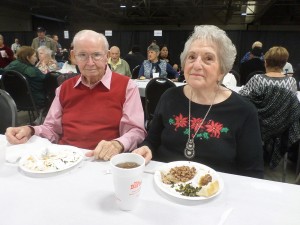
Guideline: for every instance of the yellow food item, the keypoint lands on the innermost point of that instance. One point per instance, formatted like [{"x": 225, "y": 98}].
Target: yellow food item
[{"x": 208, "y": 188}]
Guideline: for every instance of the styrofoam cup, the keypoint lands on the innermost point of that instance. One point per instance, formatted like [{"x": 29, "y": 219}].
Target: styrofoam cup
[
  {"x": 127, "y": 182},
  {"x": 155, "y": 75}
]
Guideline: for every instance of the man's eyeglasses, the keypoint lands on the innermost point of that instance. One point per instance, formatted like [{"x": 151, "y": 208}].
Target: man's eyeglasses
[{"x": 85, "y": 57}]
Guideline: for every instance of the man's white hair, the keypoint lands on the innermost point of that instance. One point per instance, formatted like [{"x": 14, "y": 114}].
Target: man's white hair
[{"x": 90, "y": 34}]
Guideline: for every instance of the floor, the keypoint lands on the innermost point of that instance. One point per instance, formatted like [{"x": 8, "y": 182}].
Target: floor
[{"x": 274, "y": 175}]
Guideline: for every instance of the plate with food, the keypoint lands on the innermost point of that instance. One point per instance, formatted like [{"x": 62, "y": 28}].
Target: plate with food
[
  {"x": 188, "y": 180},
  {"x": 51, "y": 161}
]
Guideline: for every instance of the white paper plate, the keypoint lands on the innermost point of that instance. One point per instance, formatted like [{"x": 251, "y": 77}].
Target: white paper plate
[
  {"x": 59, "y": 160},
  {"x": 201, "y": 170}
]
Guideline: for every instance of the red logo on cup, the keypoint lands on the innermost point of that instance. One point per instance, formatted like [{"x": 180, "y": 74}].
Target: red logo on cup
[{"x": 136, "y": 184}]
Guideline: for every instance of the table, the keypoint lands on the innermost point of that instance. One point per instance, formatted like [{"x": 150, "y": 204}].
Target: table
[
  {"x": 84, "y": 195},
  {"x": 143, "y": 83}
]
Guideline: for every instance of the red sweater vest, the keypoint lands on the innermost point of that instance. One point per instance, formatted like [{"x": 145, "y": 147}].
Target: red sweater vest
[{"x": 91, "y": 115}]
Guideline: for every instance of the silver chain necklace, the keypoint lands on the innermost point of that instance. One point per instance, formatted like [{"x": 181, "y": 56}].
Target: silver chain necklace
[{"x": 189, "y": 150}]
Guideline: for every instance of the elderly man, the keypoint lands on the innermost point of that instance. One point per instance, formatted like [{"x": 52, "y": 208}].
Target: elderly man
[
  {"x": 15, "y": 46},
  {"x": 117, "y": 64},
  {"x": 43, "y": 40},
  {"x": 98, "y": 109}
]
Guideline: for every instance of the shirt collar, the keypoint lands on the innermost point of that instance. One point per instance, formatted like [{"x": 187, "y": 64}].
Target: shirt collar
[
  {"x": 106, "y": 80},
  {"x": 114, "y": 66}
]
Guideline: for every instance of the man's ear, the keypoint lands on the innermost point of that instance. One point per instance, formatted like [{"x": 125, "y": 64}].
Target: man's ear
[{"x": 72, "y": 54}]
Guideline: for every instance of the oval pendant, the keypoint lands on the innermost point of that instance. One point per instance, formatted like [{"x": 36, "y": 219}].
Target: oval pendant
[{"x": 189, "y": 150}]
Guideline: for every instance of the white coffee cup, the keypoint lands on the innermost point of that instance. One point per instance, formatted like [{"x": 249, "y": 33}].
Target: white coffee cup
[
  {"x": 155, "y": 75},
  {"x": 3, "y": 53},
  {"x": 2, "y": 154},
  {"x": 127, "y": 182}
]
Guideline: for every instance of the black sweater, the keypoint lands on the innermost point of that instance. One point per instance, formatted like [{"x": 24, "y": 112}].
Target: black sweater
[{"x": 229, "y": 140}]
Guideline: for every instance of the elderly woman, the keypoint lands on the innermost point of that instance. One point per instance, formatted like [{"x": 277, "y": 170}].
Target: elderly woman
[
  {"x": 46, "y": 63},
  {"x": 26, "y": 59},
  {"x": 154, "y": 65},
  {"x": 275, "y": 59},
  {"x": 204, "y": 121},
  {"x": 69, "y": 66}
]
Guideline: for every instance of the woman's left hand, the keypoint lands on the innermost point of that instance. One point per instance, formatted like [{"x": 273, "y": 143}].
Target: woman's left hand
[{"x": 145, "y": 152}]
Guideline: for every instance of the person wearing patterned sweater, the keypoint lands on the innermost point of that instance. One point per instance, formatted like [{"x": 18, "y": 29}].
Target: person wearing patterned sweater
[
  {"x": 275, "y": 59},
  {"x": 204, "y": 121}
]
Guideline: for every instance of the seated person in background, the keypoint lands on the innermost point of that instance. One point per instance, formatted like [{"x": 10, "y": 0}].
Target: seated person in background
[
  {"x": 204, "y": 121},
  {"x": 26, "y": 59},
  {"x": 275, "y": 59},
  {"x": 135, "y": 58},
  {"x": 296, "y": 75},
  {"x": 6, "y": 54},
  {"x": 251, "y": 65},
  {"x": 288, "y": 69},
  {"x": 155, "y": 65},
  {"x": 15, "y": 47},
  {"x": 164, "y": 53},
  {"x": 98, "y": 110},
  {"x": 256, "y": 44},
  {"x": 117, "y": 64},
  {"x": 46, "y": 63},
  {"x": 69, "y": 66}
]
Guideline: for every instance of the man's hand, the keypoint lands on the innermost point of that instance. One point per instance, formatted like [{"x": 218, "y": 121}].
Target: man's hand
[
  {"x": 145, "y": 152},
  {"x": 18, "y": 135},
  {"x": 106, "y": 149}
]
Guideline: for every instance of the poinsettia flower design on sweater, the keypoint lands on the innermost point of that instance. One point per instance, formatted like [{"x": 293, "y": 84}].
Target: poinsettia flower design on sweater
[{"x": 209, "y": 129}]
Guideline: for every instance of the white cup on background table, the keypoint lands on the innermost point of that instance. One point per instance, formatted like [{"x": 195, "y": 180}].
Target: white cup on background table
[
  {"x": 155, "y": 75},
  {"x": 3, "y": 53}
]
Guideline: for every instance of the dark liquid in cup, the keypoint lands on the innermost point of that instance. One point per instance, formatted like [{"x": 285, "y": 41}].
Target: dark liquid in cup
[{"x": 127, "y": 165}]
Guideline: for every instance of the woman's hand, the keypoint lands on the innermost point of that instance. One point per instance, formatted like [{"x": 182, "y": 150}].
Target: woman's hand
[{"x": 145, "y": 152}]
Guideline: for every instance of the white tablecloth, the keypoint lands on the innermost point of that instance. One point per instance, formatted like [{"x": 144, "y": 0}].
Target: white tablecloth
[
  {"x": 84, "y": 195},
  {"x": 143, "y": 83}
]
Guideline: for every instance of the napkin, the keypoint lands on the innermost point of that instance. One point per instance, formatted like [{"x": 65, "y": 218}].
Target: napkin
[{"x": 34, "y": 145}]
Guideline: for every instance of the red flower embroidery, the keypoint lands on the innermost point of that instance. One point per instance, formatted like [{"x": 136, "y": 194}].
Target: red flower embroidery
[
  {"x": 214, "y": 129},
  {"x": 180, "y": 121},
  {"x": 195, "y": 123}
]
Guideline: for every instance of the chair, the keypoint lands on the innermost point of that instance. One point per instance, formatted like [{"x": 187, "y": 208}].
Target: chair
[
  {"x": 65, "y": 76},
  {"x": 8, "y": 111},
  {"x": 135, "y": 72},
  {"x": 18, "y": 87},
  {"x": 237, "y": 77},
  {"x": 51, "y": 84},
  {"x": 279, "y": 114},
  {"x": 154, "y": 89},
  {"x": 250, "y": 75}
]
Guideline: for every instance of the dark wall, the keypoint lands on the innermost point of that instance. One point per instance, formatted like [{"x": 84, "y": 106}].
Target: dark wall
[{"x": 174, "y": 39}]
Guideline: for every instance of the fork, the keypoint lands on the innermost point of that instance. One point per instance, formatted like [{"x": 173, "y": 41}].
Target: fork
[{"x": 46, "y": 152}]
